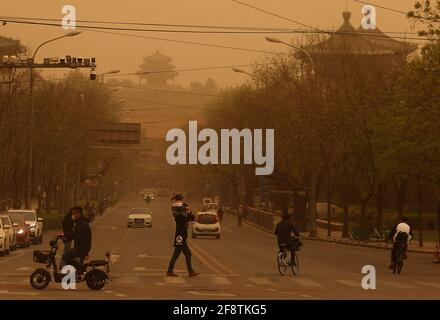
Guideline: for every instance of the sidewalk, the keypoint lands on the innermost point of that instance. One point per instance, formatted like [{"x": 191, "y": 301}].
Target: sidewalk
[
  {"x": 336, "y": 237},
  {"x": 429, "y": 247}
]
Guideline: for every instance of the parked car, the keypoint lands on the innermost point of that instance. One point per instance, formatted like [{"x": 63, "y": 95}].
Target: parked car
[
  {"x": 140, "y": 217},
  {"x": 206, "y": 224},
  {"x": 5, "y": 242},
  {"x": 35, "y": 224},
  {"x": 10, "y": 231},
  {"x": 22, "y": 230}
]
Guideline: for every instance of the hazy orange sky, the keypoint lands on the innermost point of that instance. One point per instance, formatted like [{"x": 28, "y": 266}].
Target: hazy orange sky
[{"x": 125, "y": 53}]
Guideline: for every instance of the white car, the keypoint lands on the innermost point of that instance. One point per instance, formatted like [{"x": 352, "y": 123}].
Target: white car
[
  {"x": 5, "y": 242},
  {"x": 212, "y": 207},
  {"x": 140, "y": 217},
  {"x": 10, "y": 232},
  {"x": 206, "y": 201},
  {"x": 206, "y": 224},
  {"x": 36, "y": 224}
]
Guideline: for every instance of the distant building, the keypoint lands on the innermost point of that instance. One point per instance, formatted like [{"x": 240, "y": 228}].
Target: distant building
[
  {"x": 348, "y": 42},
  {"x": 157, "y": 70}
]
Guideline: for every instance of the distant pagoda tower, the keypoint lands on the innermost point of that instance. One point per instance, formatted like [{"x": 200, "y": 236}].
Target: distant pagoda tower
[{"x": 158, "y": 70}]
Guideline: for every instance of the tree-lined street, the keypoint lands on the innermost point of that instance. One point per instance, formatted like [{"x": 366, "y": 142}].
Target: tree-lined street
[{"x": 241, "y": 265}]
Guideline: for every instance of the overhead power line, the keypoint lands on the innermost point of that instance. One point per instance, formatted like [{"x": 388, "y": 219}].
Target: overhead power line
[{"x": 293, "y": 31}]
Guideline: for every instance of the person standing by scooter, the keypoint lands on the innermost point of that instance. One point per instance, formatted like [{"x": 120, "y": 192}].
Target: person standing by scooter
[
  {"x": 82, "y": 241},
  {"x": 67, "y": 225},
  {"x": 182, "y": 215}
]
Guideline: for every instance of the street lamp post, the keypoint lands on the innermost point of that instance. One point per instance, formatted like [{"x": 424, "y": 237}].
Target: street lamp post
[
  {"x": 31, "y": 103},
  {"x": 108, "y": 72},
  {"x": 313, "y": 177},
  {"x": 276, "y": 40},
  {"x": 244, "y": 72}
]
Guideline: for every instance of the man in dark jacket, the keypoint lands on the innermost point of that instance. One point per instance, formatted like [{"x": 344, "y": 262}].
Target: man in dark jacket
[
  {"x": 82, "y": 241},
  {"x": 284, "y": 231},
  {"x": 67, "y": 225},
  {"x": 182, "y": 215}
]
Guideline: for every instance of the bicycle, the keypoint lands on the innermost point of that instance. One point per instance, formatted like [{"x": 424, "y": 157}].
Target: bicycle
[
  {"x": 285, "y": 260},
  {"x": 400, "y": 256}
]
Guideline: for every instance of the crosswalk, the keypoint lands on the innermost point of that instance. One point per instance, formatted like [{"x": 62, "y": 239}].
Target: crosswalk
[{"x": 144, "y": 275}]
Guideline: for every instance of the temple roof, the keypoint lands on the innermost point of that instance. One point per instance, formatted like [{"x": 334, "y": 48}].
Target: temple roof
[
  {"x": 348, "y": 40},
  {"x": 157, "y": 57}
]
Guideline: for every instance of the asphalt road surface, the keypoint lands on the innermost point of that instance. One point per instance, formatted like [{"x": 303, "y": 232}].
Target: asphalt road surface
[{"x": 240, "y": 265}]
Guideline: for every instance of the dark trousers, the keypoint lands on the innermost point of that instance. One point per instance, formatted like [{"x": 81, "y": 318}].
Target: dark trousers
[
  {"x": 71, "y": 258},
  {"x": 177, "y": 250}
]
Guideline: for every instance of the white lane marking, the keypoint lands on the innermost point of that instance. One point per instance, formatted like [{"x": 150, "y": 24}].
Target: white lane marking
[
  {"x": 305, "y": 282},
  {"x": 220, "y": 280},
  {"x": 12, "y": 258},
  {"x": 127, "y": 280},
  {"x": 174, "y": 280},
  {"x": 155, "y": 270},
  {"x": 430, "y": 284},
  {"x": 197, "y": 293},
  {"x": 25, "y": 269},
  {"x": 19, "y": 293},
  {"x": 140, "y": 268},
  {"x": 349, "y": 283},
  {"x": 397, "y": 285},
  {"x": 260, "y": 281}
]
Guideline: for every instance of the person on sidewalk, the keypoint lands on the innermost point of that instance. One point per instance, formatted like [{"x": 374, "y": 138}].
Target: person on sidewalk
[
  {"x": 401, "y": 234},
  {"x": 182, "y": 216}
]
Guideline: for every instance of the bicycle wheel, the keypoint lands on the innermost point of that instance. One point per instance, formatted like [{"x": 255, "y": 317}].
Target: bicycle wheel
[
  {"x": 282, "y": 265},
  {"x": 399, "y": 263},
  {"x": 294, "y": 265}
]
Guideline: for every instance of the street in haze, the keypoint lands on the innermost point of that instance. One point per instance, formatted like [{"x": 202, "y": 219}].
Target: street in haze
[
  {"x": 241, "y": 265},
  {"x": 220, "y": 150}
]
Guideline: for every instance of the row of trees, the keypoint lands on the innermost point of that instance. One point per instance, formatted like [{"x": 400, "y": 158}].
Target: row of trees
[
  {"x": 362, "y": 130},
  {"x": 64, "y": 167}
]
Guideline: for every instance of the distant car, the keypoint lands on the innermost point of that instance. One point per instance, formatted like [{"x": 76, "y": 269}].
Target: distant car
[
  {"x": 206, "y": 224},
  {"x": 140, "y": 217},
  {"x": 149, "y": 191},
  {"x": 35, "y": 224},
  {"x": 22, "y": 230},
  {"x": 206, "y": 201},
  {"x": 212, "y": 207},
  {"x": 11, "y": 232},
  {"x": 5, "y": 238}
]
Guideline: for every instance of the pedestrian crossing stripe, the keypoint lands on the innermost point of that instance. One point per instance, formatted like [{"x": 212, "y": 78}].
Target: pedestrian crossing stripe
[
  {"x": 174, "y": 280},
  {"x": 260, "y": 281},
  {"x": 430, "y": 284},
  {"x": 397, "y": 285},
  {"x": 305, "y": 282},
  {"x": 349, "y": 283}
]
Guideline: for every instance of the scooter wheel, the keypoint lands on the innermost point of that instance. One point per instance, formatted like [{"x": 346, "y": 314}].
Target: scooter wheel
[
  {"x": 96, "y": 279},
  {"x": 40, "y": 279}
]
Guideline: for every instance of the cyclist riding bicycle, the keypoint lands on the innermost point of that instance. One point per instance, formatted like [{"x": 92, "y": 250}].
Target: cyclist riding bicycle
[
  {"x": 401, "y": 234},
  {"x": 284, "y": 230}
]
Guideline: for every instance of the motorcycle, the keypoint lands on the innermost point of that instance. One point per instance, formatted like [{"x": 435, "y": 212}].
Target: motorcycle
[{"x": 95, "y": 278}]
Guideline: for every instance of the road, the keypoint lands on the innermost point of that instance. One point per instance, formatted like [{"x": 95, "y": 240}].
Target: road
[{"x": 241, "y": 265}]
